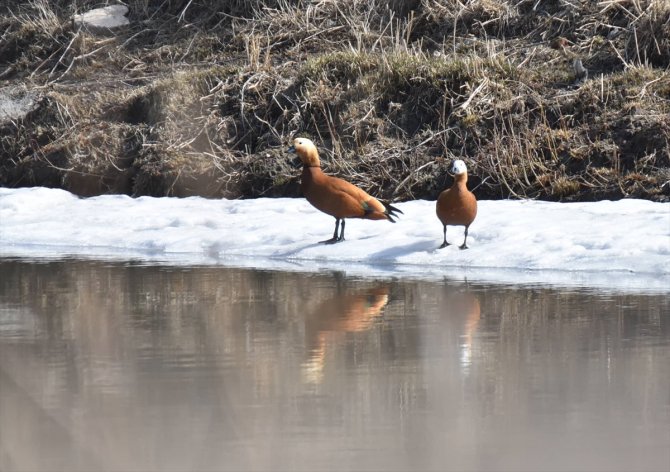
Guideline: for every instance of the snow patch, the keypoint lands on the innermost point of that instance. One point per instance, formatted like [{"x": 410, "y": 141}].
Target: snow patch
[
  {"x": 111, "y": 16},
  {"x": 623, "y": 244}
]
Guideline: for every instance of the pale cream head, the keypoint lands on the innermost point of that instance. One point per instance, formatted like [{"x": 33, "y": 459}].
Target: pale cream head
[{"x": 306, "y": 150}]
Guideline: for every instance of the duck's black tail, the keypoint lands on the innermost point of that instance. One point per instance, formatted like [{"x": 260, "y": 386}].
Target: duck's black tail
[{"x": 391, "y": 211}]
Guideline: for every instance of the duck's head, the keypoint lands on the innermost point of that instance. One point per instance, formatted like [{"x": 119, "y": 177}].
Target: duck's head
[
  {"x": 306, "y": 151},
  {"x": 458, "y": 167}
]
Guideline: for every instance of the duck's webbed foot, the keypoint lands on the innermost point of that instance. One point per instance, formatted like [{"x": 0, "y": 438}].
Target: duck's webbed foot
[{"x": 336, "y": 238}]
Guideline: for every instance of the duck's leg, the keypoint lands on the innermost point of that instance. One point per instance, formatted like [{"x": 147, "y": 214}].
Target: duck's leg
[
  {"x": 445, "y": 243},
  {"x": 341, "y": 238},
  {"x": 334, "y": 239},
  {"x": 464, "y": 245}
]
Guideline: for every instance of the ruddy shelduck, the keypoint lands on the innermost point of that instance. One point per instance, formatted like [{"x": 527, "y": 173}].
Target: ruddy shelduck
[
  {"x": 334, "y": 196},
  {"x": 457, "y": 205}
]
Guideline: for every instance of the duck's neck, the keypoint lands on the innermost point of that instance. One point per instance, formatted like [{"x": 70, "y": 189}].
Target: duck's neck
[
  {"x": 311, "y": 170},
  {"x": 309, "y": 175},
  {"x": 461, "y": 179}
]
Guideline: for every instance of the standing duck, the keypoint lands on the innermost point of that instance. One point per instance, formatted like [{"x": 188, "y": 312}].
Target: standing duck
[
  {"x": 334, "y": 196},
  {"x": 457, "y": 205}
]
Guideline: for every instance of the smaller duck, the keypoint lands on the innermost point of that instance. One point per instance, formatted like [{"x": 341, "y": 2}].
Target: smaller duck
[
  {"x": 334, "y": 196},
  {"x": 457, "y": 205}
]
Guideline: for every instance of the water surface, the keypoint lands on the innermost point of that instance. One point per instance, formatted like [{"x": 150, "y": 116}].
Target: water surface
[{"x": 120, "y": 367}]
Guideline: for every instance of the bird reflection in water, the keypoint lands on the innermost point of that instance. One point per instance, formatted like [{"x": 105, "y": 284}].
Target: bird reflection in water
[
  {"x": 466, "y": 304},
  {"x": 345, "y": 313}
]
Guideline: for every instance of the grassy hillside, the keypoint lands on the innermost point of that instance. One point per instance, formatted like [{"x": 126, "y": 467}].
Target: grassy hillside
[{"x": 202, "y": 97}]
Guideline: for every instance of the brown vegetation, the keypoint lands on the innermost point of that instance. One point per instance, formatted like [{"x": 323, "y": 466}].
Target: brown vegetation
[{"x": 202, "y": 98}]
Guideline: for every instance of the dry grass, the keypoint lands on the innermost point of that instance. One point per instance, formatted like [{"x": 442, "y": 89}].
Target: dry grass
[{"x": 200, "y": 98}]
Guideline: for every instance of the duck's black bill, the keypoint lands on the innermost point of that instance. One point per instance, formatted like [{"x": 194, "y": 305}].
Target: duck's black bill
[{"x": 291, "y": 149}]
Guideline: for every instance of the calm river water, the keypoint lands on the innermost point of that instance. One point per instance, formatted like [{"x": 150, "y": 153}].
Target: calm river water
[{"x": 123, "y": 367}]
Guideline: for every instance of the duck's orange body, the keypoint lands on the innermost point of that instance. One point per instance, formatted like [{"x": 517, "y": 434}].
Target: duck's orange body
[
  {"x": 457, "y": 206},
  {"x": 334, "y": 196},
  {"x": 339, "y": 198}
]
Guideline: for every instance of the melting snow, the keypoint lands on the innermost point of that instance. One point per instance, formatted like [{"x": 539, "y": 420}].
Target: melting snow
[{"x": 618, "y": 245}]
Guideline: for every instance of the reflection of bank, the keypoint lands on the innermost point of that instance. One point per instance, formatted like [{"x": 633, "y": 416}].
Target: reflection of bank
[{"x": 345, "y": 313}]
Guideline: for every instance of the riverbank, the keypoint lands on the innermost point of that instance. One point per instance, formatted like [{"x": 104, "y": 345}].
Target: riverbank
[{"x": 202, "y": 98}]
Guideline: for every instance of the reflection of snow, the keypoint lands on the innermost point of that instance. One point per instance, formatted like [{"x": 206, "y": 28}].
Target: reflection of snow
[{"x": 619, "y": 245}]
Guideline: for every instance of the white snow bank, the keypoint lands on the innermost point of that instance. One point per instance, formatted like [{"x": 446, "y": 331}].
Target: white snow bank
[{"x": 620, "y": 245}]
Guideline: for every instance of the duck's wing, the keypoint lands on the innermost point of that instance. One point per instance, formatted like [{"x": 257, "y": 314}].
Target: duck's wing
[{"x": 365, "y": 201}]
